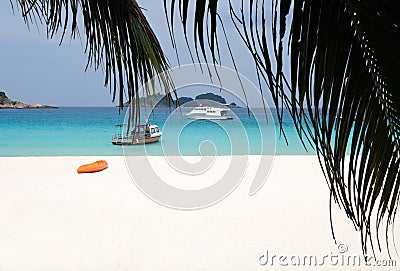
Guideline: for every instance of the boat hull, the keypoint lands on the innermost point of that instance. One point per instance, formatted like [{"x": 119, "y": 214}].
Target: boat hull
[
  {"x": 137, "y": 141},
  {"x": 205, "y": 117}
]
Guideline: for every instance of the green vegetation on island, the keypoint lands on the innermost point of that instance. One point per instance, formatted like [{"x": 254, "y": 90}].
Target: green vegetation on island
[
  {"x": 3, "y": 97},
  {"x": 205, "y": 99},
  {"x": 212, "y": 97}
]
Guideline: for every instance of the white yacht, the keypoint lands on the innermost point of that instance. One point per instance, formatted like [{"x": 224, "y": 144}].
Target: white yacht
[{"x": 209, "y": 113}]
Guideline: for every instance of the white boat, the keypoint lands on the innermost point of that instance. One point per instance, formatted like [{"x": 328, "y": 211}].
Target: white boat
[
  {"x": 209, "y": 113},
  {"x": 142, "y": 134}
]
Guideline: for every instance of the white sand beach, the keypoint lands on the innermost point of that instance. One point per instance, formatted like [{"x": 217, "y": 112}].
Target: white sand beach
[{"x": 54, "y": 219}]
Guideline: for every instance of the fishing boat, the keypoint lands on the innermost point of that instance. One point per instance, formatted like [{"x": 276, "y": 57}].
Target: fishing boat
[
  {"x": 209, "y": 113},
  {"x": 141, "y": 134}
]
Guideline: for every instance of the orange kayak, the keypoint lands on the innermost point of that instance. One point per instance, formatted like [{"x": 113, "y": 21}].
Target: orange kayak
[{"x": 93, "y": 167}]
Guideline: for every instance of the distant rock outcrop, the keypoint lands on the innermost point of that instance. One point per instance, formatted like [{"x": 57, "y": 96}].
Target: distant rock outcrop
[
  {"x": 184, "y": 100},
  {"x": 160, "y": 100},
  {"x": 3, "y": 97},
  {"x": 205, "y": 99},
  {"x": 212, "y": 97},
  {"x": 164, "y": 102},
  {"x": 6, "y": 103},
  {"x": 232, "y": 105}
]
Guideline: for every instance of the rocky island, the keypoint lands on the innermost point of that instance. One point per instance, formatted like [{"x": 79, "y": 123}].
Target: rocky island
[
  {"x": 6, "y": 103},
  {"x": 204, "y": 99}
]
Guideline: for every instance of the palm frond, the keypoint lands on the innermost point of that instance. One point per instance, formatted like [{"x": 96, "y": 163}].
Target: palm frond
[
  {"x": 342, "y": 90},
  {"x": 118, "y": 39},
  {"x": 205, "y": 24}
]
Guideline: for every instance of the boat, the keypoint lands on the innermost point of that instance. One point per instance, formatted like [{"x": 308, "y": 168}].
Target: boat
[
  {"x": 209, "y": 113},
  {"x": 142, "y": 134},
  {"x": 93, "y": 167}
]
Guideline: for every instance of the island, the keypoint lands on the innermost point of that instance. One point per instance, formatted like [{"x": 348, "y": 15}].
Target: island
[
  {"x": 160, "y": 100},
  {"x": 206, "y": 97},
  {"x": 7, "y": 103},
  {"x": 212, "y": 97}
]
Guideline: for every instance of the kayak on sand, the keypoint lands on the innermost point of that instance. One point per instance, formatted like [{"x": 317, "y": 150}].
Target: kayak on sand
[{"x": 93, "y": 167}]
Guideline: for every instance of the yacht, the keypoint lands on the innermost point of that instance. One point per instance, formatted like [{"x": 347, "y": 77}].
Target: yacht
[
  {"x": 209, "y": 113},
  {"x": 142, "y": 134}
]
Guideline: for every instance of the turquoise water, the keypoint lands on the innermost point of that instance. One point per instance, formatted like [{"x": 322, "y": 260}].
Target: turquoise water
[{"x": 88, "y": 132}]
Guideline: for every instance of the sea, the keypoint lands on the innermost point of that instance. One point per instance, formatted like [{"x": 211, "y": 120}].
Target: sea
[{"x": 88, "y": 131}]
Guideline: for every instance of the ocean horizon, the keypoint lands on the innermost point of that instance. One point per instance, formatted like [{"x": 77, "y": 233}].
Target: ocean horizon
[{"x": 87, "y": 131}]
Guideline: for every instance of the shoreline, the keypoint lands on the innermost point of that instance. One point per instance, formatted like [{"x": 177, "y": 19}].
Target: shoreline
[
  {"x": 54, "y": 219},
  {"x": 122, "y": 155}
]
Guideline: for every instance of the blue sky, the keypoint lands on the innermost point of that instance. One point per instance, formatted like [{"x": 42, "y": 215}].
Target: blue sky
[{"x": 37, "y": 70}]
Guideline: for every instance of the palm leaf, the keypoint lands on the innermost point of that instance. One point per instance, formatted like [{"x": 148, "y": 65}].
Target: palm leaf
[
  {"x": 118, "y": 39},
  {"x": 342, "y": 90}
]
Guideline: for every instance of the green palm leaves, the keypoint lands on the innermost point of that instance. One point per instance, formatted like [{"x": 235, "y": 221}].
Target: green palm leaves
[
  {"x": 118, "y": 39},
  {"x": 343, "y": 88}
]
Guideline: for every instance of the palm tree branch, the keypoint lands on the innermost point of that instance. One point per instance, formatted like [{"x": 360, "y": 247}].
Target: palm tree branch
[
  {"x": 342, "y": 91},
  {"x": 119, "y": 40}
]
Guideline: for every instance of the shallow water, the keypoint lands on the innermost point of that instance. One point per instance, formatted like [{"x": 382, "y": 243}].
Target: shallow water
[{"x": 87, "y": 131}]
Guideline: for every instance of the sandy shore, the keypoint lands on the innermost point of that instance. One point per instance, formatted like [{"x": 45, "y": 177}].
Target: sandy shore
[{"x": 54, "y": 219}]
